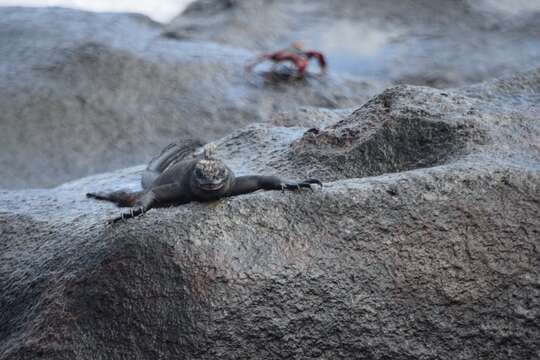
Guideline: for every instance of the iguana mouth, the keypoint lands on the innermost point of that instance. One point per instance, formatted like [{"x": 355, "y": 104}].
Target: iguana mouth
[{"x": 211, "y": 186}]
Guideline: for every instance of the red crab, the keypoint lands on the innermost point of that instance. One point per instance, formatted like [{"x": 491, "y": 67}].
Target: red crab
[{"x": 295, "y": 54}]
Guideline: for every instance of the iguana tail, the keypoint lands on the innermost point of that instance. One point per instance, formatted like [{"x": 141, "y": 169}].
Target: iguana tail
[{"x": 121, "y": 198}]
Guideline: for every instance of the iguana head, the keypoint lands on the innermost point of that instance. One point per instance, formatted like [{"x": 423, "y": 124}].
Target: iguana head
[{"x": 210, "y": 175}]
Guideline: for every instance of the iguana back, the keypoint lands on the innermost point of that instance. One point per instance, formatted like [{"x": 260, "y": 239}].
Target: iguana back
[{"x": 171, "y": 155}]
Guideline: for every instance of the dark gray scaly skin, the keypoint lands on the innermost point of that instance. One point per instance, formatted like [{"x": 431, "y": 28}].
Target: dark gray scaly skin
[{"x": 177, "y": 177}]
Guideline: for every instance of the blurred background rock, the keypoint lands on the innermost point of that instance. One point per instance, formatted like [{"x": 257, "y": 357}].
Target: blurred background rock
[{"x": 84, "y": 92}]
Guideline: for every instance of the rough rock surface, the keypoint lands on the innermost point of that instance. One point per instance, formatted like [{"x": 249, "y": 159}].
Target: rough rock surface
[
  {"x": 423, "y": 244},
  {"x": 424, "y": 42},
  {"x": 96, "y": 92}
]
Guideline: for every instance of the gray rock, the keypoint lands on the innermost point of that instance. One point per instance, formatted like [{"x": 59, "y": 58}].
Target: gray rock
[
  {"x": 423, "y": 244},
  {"x": 310, "y": 117},
  {"x": 97, "y": 92},
  {"x": 424, "y": 42}
]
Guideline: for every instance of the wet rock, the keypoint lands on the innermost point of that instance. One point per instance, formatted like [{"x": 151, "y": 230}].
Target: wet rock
[
  {"x": 429, "y": 252},
  {"x": 96, "y": 92},
  {"x": 436, "y": 43}
]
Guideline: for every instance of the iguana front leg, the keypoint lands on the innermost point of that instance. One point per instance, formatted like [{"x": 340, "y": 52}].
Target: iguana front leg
[
  {"x": 248, "y": 184},
  {"x": 156, "y": 197}
]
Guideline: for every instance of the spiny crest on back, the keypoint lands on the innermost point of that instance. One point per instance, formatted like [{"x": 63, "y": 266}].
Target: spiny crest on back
[{"x": 209, "y": 151}]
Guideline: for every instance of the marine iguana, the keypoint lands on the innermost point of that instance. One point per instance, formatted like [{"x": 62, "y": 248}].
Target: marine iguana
[{"x": 178, "y": 176}]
